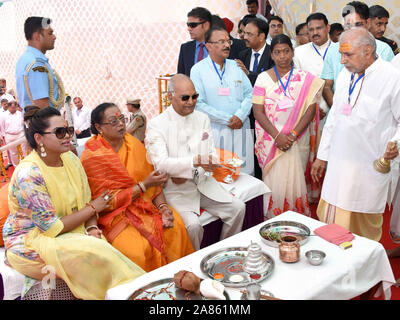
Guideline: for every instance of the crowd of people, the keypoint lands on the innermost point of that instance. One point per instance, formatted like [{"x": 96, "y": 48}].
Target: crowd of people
[{"x": 308, "y": 117}]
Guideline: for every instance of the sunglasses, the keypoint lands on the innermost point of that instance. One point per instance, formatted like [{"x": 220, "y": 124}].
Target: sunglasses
[
  {"x": 186, "y": 97},
  {"x": 194, "y": 24},
  {"x": 61, "y": 132},
  {"x": 114, "y": 121}
]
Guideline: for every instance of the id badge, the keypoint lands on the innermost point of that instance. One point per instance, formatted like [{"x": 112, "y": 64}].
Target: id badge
[
  {"x": 346, "y": 109},
  {"x": 286, "y": 103},
  {"x": 224, "y": 92}
]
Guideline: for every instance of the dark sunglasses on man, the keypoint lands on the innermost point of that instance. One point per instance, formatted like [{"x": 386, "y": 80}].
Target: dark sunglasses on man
[
  {"x": 61, "y": 132},
  {"x": 186, "y": 97},
  {"x": 194, "y": 24}
]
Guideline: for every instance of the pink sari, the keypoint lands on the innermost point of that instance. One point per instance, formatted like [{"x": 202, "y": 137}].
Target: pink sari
[{"x": 285, "y": 172}]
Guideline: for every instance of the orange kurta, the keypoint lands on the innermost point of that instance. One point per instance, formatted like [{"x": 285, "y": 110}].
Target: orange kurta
[{"x": 133, "y": 227}]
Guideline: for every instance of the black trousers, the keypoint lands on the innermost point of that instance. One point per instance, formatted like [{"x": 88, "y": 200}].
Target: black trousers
[
  {"x": 84, "y": 134},
  {"x": 257, "y": 169}
]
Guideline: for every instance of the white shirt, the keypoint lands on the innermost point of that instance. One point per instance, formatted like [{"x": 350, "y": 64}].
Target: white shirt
[
  {"x": 253, "y": 58},
  {"x": 306, "y": 58},
  {"x": 396, "y": 61},
  {"x": 351, "y": 143},
  {"x": 12, "y": 123},
  {"x": 81, "y": 118}
]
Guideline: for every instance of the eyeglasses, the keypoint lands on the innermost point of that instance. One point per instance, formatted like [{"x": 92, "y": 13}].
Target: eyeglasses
[
  {"x": 61, "y": 132},
  {"x": 222, "y": 41},
  {"x": 186, "y": 97},
  {"x": 350, "y": 25},
  {"x": 194, "y": 24},
  {"x": 114, "y": 120},
  {"x": 136, "y": 105},
  {"x": 240, "y": 30}
]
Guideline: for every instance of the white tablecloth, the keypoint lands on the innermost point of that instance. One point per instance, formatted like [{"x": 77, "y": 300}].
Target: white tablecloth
[
  {"x": 246, "y": 188},
  {"x": 13, "y": 281},
  {"x": 344, "y": 274}
]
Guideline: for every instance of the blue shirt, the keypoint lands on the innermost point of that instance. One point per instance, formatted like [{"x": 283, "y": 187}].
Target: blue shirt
[
  {"x": 205, "y": 52},
  {"x": 38, "y": 82},
  {"x": 332, "y": 65},
  {"x": 220, "y": 108}
]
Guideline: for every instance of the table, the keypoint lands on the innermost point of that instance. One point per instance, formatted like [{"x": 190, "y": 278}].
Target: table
[{"x": 344, "y": 274}]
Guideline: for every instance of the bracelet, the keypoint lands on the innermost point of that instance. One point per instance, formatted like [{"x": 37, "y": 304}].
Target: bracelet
[
  {"x": 162, "y": 205},
  {"x": 142, "y": 186},
  {"x": 277, "y": 135},
  {"x": 95, "y": 211},
  {"x": 92, "y": 227},
  {"x": 295, "y": 133}
]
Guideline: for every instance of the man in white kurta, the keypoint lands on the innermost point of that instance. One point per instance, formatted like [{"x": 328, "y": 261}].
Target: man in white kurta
[
  {"x": 174, "y": 141},
  {"x": 310, "y": 56},
  {"x": 359, "y": 130},
  {"x": 13, "y": 129}
]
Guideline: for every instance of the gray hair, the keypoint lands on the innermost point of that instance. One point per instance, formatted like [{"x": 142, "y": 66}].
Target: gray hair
[
  {"x": 363, "y": 38},
  {"x": 176, "y": 77}
]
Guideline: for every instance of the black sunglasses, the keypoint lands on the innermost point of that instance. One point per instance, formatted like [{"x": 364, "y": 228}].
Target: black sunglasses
[
  {"x": 194, "y": 24},
  {"x": 186, "y": 97},
  {"x": 61, "y": 132}
]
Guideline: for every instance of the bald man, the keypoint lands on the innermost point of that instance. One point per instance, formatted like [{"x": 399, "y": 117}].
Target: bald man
[
  {"x": 179, "y": 142},
  {"x": 363, "y": 124}
]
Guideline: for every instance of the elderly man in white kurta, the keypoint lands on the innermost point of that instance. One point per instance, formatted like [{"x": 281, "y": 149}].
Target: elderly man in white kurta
[
  {"x": 13, "y": 129},
  {"x": 179, "y": 142},
  {"x": 362, "y": 125}
]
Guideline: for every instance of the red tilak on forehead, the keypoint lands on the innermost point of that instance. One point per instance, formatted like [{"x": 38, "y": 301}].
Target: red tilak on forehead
[{"x": 117, "y": 114}]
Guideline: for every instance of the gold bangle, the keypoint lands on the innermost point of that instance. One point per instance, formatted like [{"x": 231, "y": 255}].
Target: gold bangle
[
  {"x": 277, "y": 135},
  {"x": 163, "y": 204}
]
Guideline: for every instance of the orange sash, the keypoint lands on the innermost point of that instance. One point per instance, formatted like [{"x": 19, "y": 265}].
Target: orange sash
[{"x": 107, "y": 170}]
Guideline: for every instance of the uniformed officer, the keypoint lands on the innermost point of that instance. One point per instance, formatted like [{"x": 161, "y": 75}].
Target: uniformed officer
[
  {"x": 37, "y": 82},
  {"x": 137, "y": 120},
  {"x": 379, "y": 19}
]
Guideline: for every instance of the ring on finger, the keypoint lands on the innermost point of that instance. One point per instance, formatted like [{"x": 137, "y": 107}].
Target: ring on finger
[{"x": 106, "y": 197}]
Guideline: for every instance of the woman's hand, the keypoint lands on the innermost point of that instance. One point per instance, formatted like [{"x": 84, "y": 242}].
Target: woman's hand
[
  {"x": 101, "y": 203},
  {"x": 284, "y": 142},
  {"x": 156, "y": 179},
  {"x": 167, "y": 217},
  {"x": 94, "y": 233}
]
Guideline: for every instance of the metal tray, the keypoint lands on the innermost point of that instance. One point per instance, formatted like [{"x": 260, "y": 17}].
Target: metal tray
[
  {"x": 165, "y": 289},
  {"x": 229, "y": 262},
  {"x": 285, "y": 228}
]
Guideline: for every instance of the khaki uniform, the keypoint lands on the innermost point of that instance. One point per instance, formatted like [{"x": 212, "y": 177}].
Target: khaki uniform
[{"x": 137, "y": 125}]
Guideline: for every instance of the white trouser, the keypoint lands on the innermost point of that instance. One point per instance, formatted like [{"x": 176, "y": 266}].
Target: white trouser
[
  {"x": 231, "y": 214},
  {"x": 13, "y": 151}
]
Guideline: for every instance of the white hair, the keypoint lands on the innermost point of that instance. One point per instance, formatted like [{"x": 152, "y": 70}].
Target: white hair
[{"x": 364, "y": 38}]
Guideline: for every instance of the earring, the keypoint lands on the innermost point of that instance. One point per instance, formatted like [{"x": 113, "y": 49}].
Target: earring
[{"x": 43, "y": 153}]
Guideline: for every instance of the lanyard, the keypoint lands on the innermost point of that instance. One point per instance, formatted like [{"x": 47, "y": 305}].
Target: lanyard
[
  {"x": 326, "y": 50},
  {"x": 352, "y": 87},
  {"x": 280, "y": 80},
  {"x": 216, "y": 70}
]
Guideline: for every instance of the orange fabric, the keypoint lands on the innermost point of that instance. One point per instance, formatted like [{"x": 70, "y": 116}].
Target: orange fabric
[
  {"x": 4, "y": 211},
  {"x": 220, "y": 173},
  {"x": 132, "y": 227},
  {"x": 105, "y": 171}
]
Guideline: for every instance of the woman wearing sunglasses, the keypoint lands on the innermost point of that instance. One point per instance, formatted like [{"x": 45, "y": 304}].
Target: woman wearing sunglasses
[
  {"x": 139, "y": 222},
  {"x": 53, "y": 222}
]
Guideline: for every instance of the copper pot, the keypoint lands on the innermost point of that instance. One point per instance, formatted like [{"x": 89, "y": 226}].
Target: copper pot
[{"x": 289, "y": 249}]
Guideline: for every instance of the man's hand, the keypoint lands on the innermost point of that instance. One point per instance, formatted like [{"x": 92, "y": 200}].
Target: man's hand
[
  {"x": 78, "y": 131},
  {"x": 242, "y": 66},
  {"x": 317, "y": 169},
  {"x": 391, "y": 151},
  {"x": 209, "y": 164},
  {"x": 235, "y": 123}
]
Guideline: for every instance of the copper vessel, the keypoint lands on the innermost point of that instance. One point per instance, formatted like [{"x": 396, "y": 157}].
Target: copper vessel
[{"x": 289, "y": 249}]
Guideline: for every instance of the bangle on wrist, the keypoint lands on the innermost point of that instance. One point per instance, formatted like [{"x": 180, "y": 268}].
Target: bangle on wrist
[
  {"x": 94, "y": 209},
  {"x": 277, "y": 135},
  {"x": 91, "y": 227},
  {"x": 139, "y": 189},
  {"x": 163, "y": 204},
  {"x": 142, "y": 186},
  {"x": 295, "y": 133}
]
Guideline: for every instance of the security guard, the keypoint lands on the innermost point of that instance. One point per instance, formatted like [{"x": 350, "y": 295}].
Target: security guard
[
  {"x": 37, "y": 83},
  {"x": 392, "y": 44},
  {"x": 137, "y": 120}
]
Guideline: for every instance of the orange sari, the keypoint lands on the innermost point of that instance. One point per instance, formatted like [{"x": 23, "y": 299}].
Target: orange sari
[{"x": 133, "y": 227}]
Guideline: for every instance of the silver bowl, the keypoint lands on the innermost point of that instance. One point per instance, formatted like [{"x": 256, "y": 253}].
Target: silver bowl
[{"x": 315, "y": 257}]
